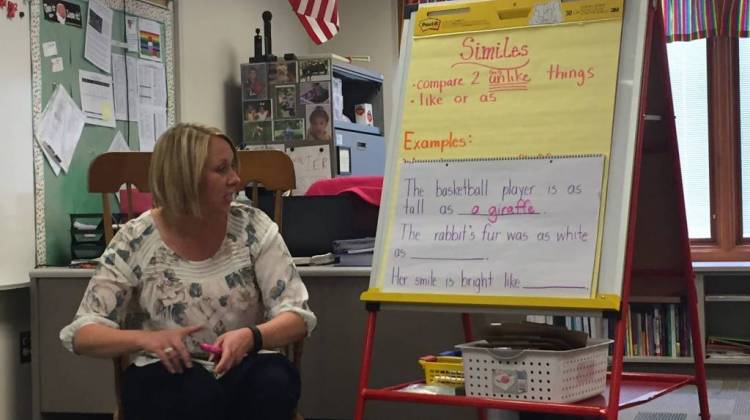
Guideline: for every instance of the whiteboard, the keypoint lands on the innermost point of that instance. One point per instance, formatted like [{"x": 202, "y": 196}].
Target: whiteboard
[
  {"x": 615, "y": 219},
  {"x": 16, "y": 164}
]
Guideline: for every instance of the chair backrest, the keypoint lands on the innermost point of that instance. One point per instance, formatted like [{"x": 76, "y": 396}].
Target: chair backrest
[
  {"x": 109, "y": 171},
  {"x": 271, "y": 168}
]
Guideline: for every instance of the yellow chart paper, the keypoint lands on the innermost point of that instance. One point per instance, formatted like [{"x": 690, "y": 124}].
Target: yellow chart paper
[{"x": 542, "y": 90}]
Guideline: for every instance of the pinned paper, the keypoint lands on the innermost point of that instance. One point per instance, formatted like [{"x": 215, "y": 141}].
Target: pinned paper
[
  {"x": 99, "y": 35},
  {"x": 57, "y": 64},
  {"x": 96, "y": 98},
  {"x": 60, "y": 129},
  {"x": 125, "y": 78},
  {"x": 49, "y": 48},
  {"x": 149, "y": 37},
  {"x": 118, "y": 144},
  {"x": 311, "y": 163},
  {"x": 131, "y": 33}
]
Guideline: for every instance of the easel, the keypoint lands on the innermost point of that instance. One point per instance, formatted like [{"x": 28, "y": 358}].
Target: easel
[{"x": 657, "y": 252}]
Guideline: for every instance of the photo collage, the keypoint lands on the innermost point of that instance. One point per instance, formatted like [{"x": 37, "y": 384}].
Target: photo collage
[{"x": 286, "y": 101}]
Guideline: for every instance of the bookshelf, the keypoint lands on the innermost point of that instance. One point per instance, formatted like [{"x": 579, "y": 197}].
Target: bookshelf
[{"x": 723, "y": 295}]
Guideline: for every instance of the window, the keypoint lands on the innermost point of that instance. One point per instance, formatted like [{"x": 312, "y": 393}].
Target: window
[
  {"x": 711, "y": 92},
  {"x": 689, "y": 76},
  {"x": 744, "y": 88},
  {"x": 709, "y": 53}
]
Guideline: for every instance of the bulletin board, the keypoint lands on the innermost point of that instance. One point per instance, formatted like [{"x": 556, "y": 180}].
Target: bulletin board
[
  {"x": 516, "y": 138},
  {"x": 57, "y": 196}
]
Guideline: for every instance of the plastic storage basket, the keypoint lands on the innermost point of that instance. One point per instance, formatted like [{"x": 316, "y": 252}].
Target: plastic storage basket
[
  {"x": 443, "y": 370},
  {"x": 536, "y": 375}
]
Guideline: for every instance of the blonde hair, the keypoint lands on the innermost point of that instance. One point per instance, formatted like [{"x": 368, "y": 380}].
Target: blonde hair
[{"x": 177, "y": 164}]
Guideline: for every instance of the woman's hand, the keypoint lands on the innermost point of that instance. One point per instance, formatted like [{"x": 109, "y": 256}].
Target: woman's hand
[
  {"x": 234, "y": 346},
  {"x": 169, "y": 345}
]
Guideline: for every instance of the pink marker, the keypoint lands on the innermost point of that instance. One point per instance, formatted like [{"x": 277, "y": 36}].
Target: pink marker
[{"x": 211, "y": 348}]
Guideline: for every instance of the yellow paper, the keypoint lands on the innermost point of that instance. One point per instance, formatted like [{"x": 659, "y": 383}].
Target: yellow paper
[{"x": 546, "y": 90}]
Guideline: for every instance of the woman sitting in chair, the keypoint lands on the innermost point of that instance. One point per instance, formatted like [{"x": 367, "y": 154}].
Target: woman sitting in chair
[{"x": 198, "y": 268}]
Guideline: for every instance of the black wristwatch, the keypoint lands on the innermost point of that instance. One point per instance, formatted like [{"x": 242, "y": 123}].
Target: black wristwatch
[{"x": 257, "y": 339}]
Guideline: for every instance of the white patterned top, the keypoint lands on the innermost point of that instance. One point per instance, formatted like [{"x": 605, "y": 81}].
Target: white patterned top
[{"x": 142, "y": 284}]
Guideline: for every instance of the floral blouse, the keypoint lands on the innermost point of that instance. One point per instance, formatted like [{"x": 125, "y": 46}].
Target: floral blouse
[{"x": 142, "y": 284}]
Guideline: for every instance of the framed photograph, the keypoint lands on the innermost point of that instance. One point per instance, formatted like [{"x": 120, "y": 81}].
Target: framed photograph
[
  {"x": 286, "y": 101},
  {"x": 282, "y": 72},
  {"x": 257, "y": 110},
  {"x": 314, "y": 69},
  {"x": 62, "y": 12},
  {"x": 289, "y": 130},
  {"x": 318, "y": 119},
  {"x": 254, "y": 85},
  {"x": 315, "y": 93},
  {"x": 344, "y": 160},
  {"x": 257, "y": 132}
]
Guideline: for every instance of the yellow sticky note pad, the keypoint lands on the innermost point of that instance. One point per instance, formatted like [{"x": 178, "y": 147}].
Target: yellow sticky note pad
[{"x": 106, "y": 112}]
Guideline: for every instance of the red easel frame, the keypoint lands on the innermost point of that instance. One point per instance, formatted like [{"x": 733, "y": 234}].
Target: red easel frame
[{"x": 624, "y": 390}]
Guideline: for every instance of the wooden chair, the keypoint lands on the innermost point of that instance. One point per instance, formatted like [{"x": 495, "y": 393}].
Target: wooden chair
[
  {"x": 107, "y": 173},
  {"x": 270, "y": 168}
]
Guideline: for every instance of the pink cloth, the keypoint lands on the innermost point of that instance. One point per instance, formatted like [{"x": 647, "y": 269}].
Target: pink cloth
[
  {"x": 367, "y": 188},
  {"x": 141, "y": 201}
]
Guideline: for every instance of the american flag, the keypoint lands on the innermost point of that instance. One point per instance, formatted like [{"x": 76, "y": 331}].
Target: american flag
[{"x": 319, "y": 17}]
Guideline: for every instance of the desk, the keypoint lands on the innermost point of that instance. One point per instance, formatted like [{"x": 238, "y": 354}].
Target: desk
[{"x": 65, "y": 383}]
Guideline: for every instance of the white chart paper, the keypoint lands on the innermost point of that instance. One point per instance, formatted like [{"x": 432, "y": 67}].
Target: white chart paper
[{"x": 512, "y": 227}]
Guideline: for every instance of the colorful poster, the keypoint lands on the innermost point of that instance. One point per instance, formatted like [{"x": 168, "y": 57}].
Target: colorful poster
[{"x": 149, "y": 39}]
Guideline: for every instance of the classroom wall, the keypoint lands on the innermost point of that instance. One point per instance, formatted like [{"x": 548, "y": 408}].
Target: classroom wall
[
  {"x": 16, "y": 162},
  {"x": 213, "y": 39},
  {"x": 369, "y": 28},
  {"x": 16, "y": 212}
]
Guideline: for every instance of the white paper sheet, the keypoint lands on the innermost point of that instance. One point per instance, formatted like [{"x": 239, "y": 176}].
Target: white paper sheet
[
  {"x": 60, "y": 129},
  {"x": 152, "y": 122},
  {"x": 152, "y": 83},
  {"x": 150, "y": 40},
  {"x": 131, "y": 33},
  {"x": 98, "y": 48},
  {"x": 57, "y": 64},
  {"x": 118, "y": 143},
  {"x": 126, "y": 87},
  {"x": 96, "y": 98},
  {"x": 49, "y": 48},
  {"x": 311, "y": 163}
]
